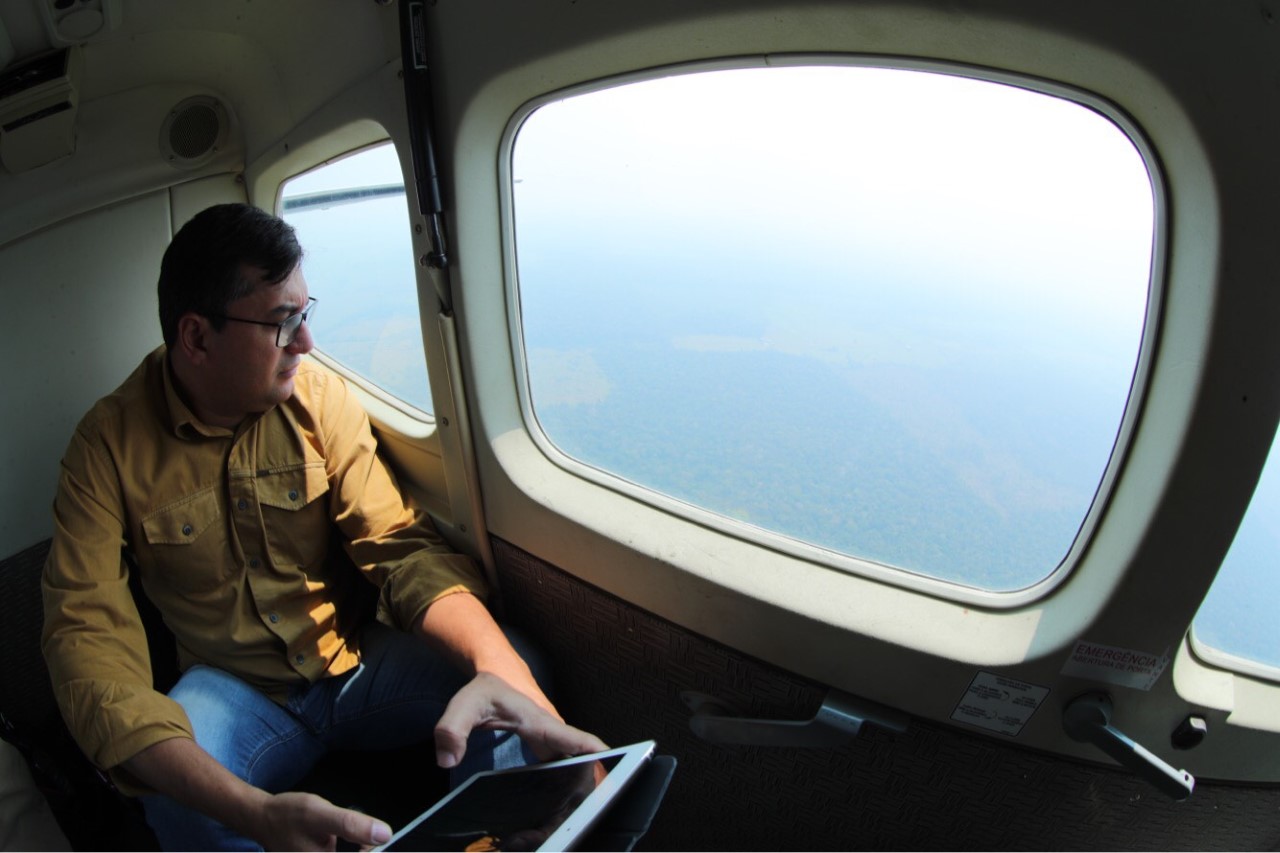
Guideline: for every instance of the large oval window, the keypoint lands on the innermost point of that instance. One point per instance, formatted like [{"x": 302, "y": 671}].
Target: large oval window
[{"x": 890, "y": 313}]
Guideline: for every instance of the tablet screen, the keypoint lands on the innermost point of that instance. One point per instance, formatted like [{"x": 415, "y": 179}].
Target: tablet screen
[{"x": 518, "y": 809}]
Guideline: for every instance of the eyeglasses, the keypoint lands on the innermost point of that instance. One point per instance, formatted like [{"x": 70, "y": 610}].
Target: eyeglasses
[{"x": 286, "y": 330}]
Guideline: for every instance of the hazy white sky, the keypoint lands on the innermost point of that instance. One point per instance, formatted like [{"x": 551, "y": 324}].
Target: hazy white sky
[{"x": 978, "y": 197}]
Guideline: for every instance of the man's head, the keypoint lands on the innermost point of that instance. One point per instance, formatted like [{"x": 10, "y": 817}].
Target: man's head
[
  {"x": 228, "y": 279},
  {"x": 203, "y": 270}
]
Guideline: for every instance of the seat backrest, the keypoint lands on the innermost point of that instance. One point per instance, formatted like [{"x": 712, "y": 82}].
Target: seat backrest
[
  {"x": 26, "y": 695},
  {"x": 160, "y": 642},
  {"x": 92, "y": 814}
]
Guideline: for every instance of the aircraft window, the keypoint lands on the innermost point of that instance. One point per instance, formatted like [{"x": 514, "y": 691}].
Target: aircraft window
[
  {"x": 1236, "y": 626},
  {"x": 890, "y": 313},
  {"x": 353, "y": 223}
]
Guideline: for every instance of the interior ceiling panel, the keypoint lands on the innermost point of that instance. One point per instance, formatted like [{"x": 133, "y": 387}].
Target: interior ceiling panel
[{"x": 235, "y": 48}]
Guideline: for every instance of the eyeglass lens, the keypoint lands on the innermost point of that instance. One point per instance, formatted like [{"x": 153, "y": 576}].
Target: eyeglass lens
[{"x": 289, "y": 328}]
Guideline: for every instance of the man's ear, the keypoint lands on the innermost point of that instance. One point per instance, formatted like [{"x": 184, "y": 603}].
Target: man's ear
[{"x": 192, "y": 340}]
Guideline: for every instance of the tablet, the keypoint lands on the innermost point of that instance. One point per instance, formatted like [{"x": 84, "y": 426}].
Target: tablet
[{"x": 539, "y": 807}]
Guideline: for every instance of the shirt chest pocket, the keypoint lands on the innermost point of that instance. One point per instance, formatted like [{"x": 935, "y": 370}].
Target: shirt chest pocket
[
  {"x": 295, "y": 515},
  {"x": 188, "y": 548}
]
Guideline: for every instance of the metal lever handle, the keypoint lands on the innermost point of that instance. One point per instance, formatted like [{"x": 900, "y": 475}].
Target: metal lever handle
[
  {"x": 836, "y": 722},
  {"x": 1087, "y": 719}
]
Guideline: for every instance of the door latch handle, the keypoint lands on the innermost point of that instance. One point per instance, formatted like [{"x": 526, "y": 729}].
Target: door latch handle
[
  {"x": 838, "y": 721},
  {"x": 1087, "y": 718}
]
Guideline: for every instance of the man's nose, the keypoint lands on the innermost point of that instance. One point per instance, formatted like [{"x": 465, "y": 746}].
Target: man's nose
[{"x": 303, "y": 343}]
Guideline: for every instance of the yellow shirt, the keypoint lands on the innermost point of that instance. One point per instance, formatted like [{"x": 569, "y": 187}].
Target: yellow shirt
[{"x": 231, "y": 533}]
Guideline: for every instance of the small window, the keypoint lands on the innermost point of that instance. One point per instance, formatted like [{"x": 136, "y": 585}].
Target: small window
[
  {"x": 1237, "y": 625},
  {"x": 353, "y": 223},
  {"x": 891, "y": 314}
]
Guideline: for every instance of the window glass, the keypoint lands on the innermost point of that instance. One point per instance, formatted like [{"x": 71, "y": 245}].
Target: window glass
[
  {"x": 890, "y": 313},
  {"x": 353, "y": 223},
  {"x": 1238, "y": 617}
]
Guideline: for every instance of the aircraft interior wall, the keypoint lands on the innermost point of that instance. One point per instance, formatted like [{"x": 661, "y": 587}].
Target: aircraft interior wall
[
  {"x": 641, "y": 601},
  {"x": 628, "y": 674},
  {"x": 80, "y": 297},
  {"x": 878, "y": 636}
]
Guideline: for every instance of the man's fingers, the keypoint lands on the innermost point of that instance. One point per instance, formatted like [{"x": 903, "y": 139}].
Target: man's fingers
[
  {"x": 450, "y": 746},
  {"x": 490, "y": 703},
  {"x": 470, "y": 708},
  {"x": 551, "y": 739},
  {"x": 361, "y": 828},
  {"x": 305, "y": 821}
]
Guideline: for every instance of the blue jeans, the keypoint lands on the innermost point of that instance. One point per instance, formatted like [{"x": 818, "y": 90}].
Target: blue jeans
[{"x": 393, "y": 698}]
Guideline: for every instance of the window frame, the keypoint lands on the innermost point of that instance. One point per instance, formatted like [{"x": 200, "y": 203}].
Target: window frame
[
  {"x": 780, "y": 543},
  {"x": 423, "y": 422},
  {"x": 1214, "y": 657},
  {"x": 1218, "y": 659}
]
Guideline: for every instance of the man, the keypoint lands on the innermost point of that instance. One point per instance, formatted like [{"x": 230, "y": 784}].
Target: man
[{"x": 223, "y": 463}]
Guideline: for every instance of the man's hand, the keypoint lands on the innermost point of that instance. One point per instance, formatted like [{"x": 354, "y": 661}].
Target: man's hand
[
  {"x": 461, "y": 627},
  {"x": 292, "y": 821},
  {"x": 502, "y": 693},
  {"x": 297, "y": 821},
  {"x": 488, "y": 702}
]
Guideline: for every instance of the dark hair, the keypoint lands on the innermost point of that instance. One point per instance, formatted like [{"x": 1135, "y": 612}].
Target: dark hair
[{"x": 203, "y": 269}]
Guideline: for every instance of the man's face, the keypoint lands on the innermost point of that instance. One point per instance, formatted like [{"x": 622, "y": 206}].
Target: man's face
[{"x": 246, "y": 371}]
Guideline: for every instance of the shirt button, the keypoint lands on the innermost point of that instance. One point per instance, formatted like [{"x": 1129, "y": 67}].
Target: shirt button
[
  {"x": 186, "y": 530},
  {"x": 274, "y": 617},
  {"x": 299, "y": 658},
  {"x": 242, "y": 504},
  {"x": 293, "y": 495},
  {"x": 254, "y": 563}
]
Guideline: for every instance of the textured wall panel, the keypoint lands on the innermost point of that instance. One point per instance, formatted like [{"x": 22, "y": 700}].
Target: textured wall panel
[{"x": 620, "y": 671}]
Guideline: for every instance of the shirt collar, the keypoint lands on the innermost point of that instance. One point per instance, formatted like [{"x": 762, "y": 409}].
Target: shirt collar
[{"x": 184, "y": 422}]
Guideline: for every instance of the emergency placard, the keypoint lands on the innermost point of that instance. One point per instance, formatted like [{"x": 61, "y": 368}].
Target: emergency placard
[{"x": 999, "y": 704}]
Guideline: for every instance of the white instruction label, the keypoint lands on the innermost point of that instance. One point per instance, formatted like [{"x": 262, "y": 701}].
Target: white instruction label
[
  {"x": 999, "y": 704},
  {"x": 1125, "y": 667}
]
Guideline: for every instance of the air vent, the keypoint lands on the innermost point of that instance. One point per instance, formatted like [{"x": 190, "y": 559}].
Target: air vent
[
  {"x": 193, "y": 132},
  {"x": 78, "y": 21},
  {"x": 38, "y": 102}
]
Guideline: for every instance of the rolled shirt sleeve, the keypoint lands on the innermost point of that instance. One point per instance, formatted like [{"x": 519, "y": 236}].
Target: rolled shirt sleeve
[
  {"x": 394, "y": 542},
  {"x": 93, "y": 639}
]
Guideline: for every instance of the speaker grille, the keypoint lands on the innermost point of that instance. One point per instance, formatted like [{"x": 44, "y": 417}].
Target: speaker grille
[{"x": 193, "y": 132}]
